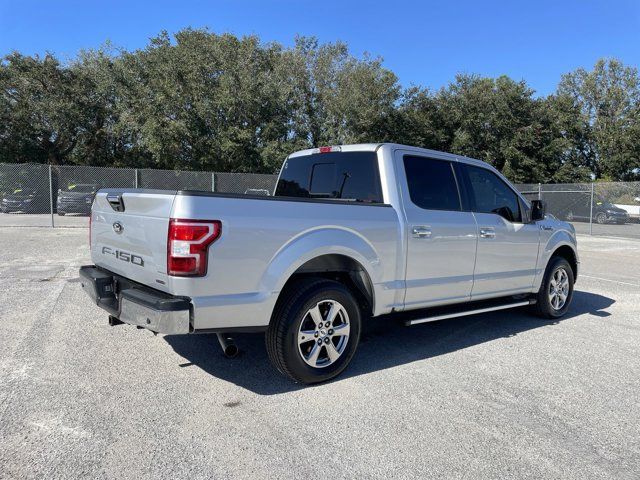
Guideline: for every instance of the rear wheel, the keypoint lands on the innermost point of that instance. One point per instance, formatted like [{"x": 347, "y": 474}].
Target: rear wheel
[
  {"x": 556, "y": 291},
  {"x": 314, "y": 332}
]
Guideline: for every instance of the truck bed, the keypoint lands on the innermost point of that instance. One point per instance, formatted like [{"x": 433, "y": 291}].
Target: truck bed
[{"x": 263, "y": 241}]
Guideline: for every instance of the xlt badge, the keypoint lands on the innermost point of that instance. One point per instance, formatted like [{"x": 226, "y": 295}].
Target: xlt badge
[{"x": 124, "y": 256}]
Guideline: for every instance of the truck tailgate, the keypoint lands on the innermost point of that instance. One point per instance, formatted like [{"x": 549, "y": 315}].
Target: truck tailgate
[{"x": 132, "y": 242}]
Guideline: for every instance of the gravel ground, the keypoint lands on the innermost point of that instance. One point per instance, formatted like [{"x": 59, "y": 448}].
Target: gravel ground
[
  {"x": 500, "y": 395},
  {"x": 44, "y": 220}
]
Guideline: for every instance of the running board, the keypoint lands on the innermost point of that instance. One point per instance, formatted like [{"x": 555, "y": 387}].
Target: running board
[{"x": 464, "y": 313}]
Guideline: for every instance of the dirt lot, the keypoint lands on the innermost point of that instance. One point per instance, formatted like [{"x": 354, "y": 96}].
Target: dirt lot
[{"x": 500, "y": 395}]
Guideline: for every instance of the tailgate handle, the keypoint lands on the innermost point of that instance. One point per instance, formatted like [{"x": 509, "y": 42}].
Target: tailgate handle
[{"x": 116, "y": 202}]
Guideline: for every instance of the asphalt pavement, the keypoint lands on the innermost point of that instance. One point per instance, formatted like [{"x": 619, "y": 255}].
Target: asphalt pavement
[{"x": 499, "y": 395}]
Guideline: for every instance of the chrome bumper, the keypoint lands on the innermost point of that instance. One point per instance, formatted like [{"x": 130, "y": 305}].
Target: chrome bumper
[{"x": 135, "y": 304}]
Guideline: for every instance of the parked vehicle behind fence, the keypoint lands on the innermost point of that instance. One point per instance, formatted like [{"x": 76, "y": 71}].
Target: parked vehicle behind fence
[
  {"x": 77, "y": 198},
  {"x": 25, "y": 200},
  {"x": 632, "y": 210},
  {"x": 577, "y": 206},
  {"x": 350, "y": 233}
]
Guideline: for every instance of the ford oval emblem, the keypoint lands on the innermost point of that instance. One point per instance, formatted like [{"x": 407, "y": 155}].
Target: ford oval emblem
[{"x": 117, "y": 227}]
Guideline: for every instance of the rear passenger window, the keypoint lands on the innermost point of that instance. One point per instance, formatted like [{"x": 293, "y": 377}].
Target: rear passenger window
[
  {"x": 490, "y": 194},
  {"x": 349, "y": 176},
  {"x": 432, "y": 184}
]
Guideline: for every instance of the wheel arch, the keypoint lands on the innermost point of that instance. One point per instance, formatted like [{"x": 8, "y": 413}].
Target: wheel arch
[
  {"x": 334, "y": 253},
  {"x": 569, "y": 254},
  {"x": 560, "y": 244},
  {"x": 341, "y": 268}
]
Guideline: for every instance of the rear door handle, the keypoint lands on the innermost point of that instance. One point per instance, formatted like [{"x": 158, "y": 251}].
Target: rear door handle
[
  {"x": 421, "y": 231},
  {"x": 487, "y": 232}
]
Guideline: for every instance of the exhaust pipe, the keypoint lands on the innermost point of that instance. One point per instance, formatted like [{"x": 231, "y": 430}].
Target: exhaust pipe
[{"x": 229, "y": 347}]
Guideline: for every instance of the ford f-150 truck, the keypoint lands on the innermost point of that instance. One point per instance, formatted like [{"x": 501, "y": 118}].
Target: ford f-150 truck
[{"x": 350, "y": 232}]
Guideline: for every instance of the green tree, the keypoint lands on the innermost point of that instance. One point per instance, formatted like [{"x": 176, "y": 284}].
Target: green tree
[
  {"x": 39, "y": 101},
  {"x": 608, "y": 98},
  {"x": 501, "y": 122},
  {"x": 199, "y": 100},
  {"x": 204, "y": 102},
  {"x": 420, "y": 121},
  {"x": 336, "y": 98},
  {"x": 102, "y": 141}
]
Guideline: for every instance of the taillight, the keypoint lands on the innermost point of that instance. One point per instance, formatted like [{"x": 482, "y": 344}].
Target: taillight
[{"x": 187, "y": 245}]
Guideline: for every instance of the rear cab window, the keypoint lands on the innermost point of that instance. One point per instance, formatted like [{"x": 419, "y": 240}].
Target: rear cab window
[{"x": 346, "y": 176}]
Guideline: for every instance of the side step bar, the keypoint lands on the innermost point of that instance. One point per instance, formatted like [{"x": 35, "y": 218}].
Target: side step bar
[{"x": 464, "y": 313}]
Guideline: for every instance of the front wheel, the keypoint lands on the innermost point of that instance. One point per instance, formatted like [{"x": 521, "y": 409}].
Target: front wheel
[
  {"x": 315, "y": 331},
  {"x": 555, "y": 294},
  {"x": 601, "y": 218}
]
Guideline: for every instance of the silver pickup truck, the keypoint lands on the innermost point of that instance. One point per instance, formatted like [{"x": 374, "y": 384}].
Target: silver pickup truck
[{"x": 350, "y": 232}]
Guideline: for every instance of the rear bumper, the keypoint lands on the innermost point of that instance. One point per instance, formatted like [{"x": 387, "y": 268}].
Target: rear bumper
[
  {"x": 15, "y": 207},
  {"x": 136, "y": 304}
]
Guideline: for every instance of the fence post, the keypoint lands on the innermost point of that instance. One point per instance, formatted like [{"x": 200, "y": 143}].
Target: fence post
[
  {"x": 213, "y": 182},
  {"x": 135, "y": 182},
  {"x": 51, "y": 196},
  {"x": 539, "y": 191},
  {"x": 591, "y": 211}
]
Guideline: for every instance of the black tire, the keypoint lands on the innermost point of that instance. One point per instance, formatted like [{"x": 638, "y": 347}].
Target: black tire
[
  {"x": 287, "y": 321},
  {"x": 543, "y": 306},
  {"x": 61, "y": 214},
  {"x": 601, "y": 218}
]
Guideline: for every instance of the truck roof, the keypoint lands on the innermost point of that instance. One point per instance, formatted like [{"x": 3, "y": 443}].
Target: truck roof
[{"x": 372, "y": 147}]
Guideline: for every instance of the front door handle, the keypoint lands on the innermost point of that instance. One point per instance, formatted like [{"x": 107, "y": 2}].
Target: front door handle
[
  {"x": 421, "y": 231},
  {"x": 487, "y": 232}
]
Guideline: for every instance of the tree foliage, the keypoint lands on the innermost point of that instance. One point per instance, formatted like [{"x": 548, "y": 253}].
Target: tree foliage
[
  {"x": 608, "y": 99},
  {"x": 199, "y": 100}
]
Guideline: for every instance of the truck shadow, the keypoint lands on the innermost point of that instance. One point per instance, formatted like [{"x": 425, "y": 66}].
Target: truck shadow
[{"x": 384, "y": 344}]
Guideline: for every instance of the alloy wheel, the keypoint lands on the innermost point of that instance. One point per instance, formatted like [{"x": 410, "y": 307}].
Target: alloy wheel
[
  {"x": 323, "y": 334},
  {"x": 558, "y": 289}
]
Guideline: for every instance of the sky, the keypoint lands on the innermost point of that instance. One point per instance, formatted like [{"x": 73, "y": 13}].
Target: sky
[{"x": 424, "y": 43}]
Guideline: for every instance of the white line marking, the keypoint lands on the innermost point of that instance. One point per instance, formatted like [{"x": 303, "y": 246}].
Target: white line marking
[
  {"x": 609, "y": 280},
  {"x": 584, "y": 236}
]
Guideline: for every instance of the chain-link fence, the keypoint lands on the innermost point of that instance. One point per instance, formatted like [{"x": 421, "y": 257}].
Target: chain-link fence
[
  {"x": 599, "y": 208},
  {"x": 42, "y": 195}
]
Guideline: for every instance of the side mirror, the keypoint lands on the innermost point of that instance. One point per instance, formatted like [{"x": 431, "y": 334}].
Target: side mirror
[{"x": 538, "y": 210}]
